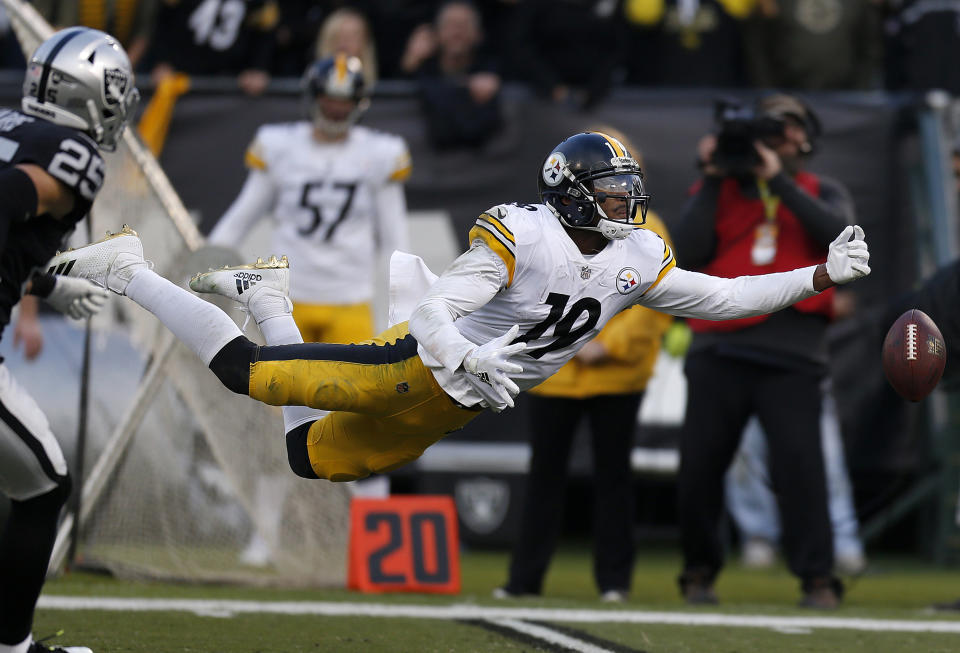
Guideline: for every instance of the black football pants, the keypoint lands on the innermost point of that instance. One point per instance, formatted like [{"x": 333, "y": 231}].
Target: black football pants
[
  {"x": 554, "y": 422},
  {"x": 723, "y": 392}
]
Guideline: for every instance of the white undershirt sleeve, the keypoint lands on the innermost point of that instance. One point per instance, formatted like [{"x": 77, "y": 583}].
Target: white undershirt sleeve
[
  {"x": 691, "y": 294},
  {"x": 256, "y": 200},
  {"x": 391, "y": 216},
  {"x": 471, "y": 281}
]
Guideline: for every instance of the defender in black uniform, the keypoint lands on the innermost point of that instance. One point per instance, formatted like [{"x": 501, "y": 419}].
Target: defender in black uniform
[{"x": 78, "y": 93}]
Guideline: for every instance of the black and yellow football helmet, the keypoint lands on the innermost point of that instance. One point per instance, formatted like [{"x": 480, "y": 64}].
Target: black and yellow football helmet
[
  {"x": 585, "y": 170},
  {"x": 339, "y": 77}
]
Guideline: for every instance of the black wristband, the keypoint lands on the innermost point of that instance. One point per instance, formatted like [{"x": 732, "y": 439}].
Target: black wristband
[{"x": 41, "y": 284}]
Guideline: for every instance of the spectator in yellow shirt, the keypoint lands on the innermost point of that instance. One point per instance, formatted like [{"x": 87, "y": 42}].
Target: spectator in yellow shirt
[{"x": 603, "y": 383}]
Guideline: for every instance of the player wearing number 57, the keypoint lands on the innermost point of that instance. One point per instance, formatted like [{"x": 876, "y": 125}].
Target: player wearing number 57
[
  {"x": 334, "y": 190},
  {"x": 537, "y": 283}
]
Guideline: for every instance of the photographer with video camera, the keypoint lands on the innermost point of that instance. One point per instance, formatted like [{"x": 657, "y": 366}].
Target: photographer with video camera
[{"x": 757, "y": 211}]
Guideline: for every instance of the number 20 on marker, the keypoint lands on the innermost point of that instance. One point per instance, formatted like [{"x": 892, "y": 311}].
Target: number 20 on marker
[{"x": 404, "y": 544}]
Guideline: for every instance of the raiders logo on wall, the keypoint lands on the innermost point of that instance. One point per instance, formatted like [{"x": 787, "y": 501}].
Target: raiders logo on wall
[{"x": 482, "y": 503}]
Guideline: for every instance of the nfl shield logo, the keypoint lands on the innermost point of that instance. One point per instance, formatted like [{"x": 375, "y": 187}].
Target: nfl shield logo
[
  {"x": 585, "y": 272},
  {"x": 403, "y": 388}
]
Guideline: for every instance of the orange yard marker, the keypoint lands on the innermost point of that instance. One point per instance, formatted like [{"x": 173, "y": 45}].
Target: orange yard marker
[{"x": 404, "y": 544}]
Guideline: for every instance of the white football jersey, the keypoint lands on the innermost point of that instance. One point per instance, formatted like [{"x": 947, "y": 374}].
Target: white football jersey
[
  {"x": 336, "y": 205},
  {"x": 560, "y": 297}
]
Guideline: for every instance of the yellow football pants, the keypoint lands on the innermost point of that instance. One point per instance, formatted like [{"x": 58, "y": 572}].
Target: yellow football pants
[
  {"x": 386, "y": 406},
  {"x": 333, "y": 323}
]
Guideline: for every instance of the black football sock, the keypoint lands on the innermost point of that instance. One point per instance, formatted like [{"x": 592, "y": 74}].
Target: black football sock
[{"x": 25, "y": 548}]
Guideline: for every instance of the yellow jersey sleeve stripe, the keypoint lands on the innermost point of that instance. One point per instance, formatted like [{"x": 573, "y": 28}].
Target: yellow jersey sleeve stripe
[
  {"x": 401, "y": 174},
  {"x": 499, "y": 226},
  {"x": 666, "y": 267},
  {"x": 663, "y": 272},
  {"x": 253, "y": 161},
  {"x": 508, "y": 244},
  {"x": 483, "y": 233},
  {"x": 667, "y": 257}
]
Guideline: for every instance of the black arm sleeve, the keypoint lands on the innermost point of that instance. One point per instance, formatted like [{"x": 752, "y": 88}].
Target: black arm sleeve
[
  {"x": 694, "y": 237},
  {"x": 824, "y": 217},
  {"x": 19, "y": 200}
]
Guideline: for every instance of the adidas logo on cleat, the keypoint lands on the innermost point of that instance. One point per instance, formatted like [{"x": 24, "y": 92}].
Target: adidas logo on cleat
[
  {"x": 240, "y": 281},
  {"x": 62, "y": 269},
  {"x": 246, "y": 280}
]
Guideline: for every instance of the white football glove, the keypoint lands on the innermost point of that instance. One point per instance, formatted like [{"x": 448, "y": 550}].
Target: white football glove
[
  {"x": 847, "y": 259},
  {"x": 77, "y": 298},
  {"x": 490, "y": 363}
]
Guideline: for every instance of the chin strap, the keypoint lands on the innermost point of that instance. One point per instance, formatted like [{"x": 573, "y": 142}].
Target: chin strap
[
  {"x": 95, "y": 125},
  {"x": 608, "y": 228},
  {"x": 615, "y": 230},
  {"x": 338, "y": 127},
  {"x": 334, "y": 128}
]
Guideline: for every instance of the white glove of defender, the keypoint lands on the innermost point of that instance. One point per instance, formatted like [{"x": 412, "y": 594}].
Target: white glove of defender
[
  {"x": 847, "y": 259},
  {"x": 77, "y": 298},
  {"x": 490, "y": 363}
]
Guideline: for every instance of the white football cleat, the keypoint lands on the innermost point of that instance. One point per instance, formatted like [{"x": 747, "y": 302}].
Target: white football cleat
[
  {"x": 110, "y": 263},
  {"x": 260, "y": 288},
  {"x": 239, "y": 282}
]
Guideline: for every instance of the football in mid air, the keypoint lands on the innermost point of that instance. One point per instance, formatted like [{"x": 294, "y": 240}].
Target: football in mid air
[{"x": 914, "y": 355}]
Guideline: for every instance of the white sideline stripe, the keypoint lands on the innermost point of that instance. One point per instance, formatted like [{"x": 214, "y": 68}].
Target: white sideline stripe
[
  {"x": 551, "y": 636},
  {"x": 514, "y": 458},
  {"x": 330, "y": 608}
]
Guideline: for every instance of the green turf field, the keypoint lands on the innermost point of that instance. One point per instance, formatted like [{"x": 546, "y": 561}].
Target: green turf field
[{"x": 894, "y": 595}]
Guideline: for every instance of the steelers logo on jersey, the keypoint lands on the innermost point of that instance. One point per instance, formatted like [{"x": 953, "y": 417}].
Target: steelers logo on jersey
[
  {"x": 553, "y": 168},
  {"x": 628, "y": 280}
]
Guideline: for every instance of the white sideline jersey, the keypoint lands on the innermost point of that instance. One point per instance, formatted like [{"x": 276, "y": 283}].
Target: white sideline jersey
[
  {"x": 336, "y": 207},
  {"x": 522, "y": 268}
]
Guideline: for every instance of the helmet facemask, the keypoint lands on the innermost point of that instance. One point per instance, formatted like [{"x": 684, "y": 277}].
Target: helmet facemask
[
  {"x": 625, "y": 193},
  {"x": 340, "y": 78},
  {"x": 119, "y": 107},
  {"x": 332, "y": 127},
  {"x": 587, "y": 194}
]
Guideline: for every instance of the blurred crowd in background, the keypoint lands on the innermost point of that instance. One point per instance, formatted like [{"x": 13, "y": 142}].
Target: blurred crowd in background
[{"x": 569, "y": 50}]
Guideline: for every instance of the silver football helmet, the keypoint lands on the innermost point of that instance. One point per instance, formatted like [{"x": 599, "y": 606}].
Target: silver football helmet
[{"x": 82, "y": 78}]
